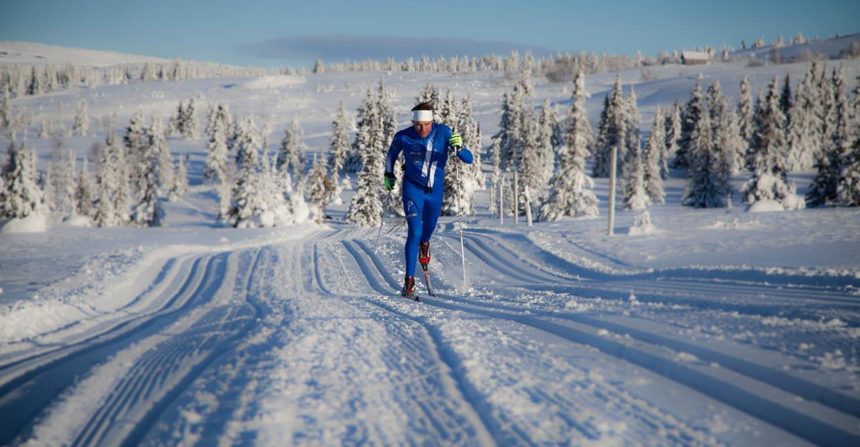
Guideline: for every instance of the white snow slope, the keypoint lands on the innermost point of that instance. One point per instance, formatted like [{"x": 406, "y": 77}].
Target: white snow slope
[{"x": 718, "y": 327}]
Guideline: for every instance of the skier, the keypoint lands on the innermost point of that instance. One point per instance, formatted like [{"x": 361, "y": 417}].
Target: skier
[{"x": 425, "y": 147}]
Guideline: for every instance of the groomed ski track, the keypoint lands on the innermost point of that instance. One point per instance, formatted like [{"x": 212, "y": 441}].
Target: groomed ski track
[{"x": 306, "y": 341}]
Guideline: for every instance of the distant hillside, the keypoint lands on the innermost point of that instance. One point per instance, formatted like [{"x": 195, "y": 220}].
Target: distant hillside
[
  {"x": 27, "y": 53},
  {"x": 830, "y": 48}
]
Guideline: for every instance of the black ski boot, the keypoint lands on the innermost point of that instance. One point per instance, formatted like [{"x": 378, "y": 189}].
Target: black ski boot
[{"x": 409, "y": 288}]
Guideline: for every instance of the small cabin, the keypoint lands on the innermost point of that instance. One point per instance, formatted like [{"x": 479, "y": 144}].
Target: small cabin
[{"x": 695, "y": 57}]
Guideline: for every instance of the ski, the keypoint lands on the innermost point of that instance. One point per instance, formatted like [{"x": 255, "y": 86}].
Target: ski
[{"x": 427, "y": 280}]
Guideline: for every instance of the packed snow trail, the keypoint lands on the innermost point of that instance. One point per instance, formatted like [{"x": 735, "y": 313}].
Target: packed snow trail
[{"x": 306, "y": 341}]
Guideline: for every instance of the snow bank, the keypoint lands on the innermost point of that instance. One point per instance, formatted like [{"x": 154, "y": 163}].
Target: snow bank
[
  {"x": 270, "y": 82},
  {"x": 765, "y": 206},
  {"x": 34, "y": 223}
]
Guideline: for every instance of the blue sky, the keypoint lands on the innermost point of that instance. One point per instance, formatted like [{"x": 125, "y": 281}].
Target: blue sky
[{"x": 278, "y": 33}]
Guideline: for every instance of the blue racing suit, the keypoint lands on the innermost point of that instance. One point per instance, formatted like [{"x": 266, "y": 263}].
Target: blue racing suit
[{"x": 423, "y": 182}]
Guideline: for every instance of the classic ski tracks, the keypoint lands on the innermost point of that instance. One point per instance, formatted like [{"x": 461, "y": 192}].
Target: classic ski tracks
[
  {"x": 155, "y": 378},
  {"x": 775, "y": 410},
  {"x": 488, "y": 429},
  {"x": 169, "y": 368}
]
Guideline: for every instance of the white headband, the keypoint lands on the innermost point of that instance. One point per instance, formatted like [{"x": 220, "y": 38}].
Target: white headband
[{"x": 422, "y": 115}]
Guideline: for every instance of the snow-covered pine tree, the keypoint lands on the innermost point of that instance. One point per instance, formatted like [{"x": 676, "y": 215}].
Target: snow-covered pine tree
[
  {"x": 175, "y": 123},
  {"x": 85, "y": 192},
  {"x": 290, "y": 155},
  {"x": 189, "y": 126},
  {"x": 836, "y": 147},
  {"x": 632, "y": 119},
  {"x": 655, "y": 152},
  {"x": 612, "y": 132},
  {"x": 216, "y": 168},
  {"x": 768, "y": 180},
  {"x": 22, "y": 195},
  {"x": 108, "y": 173},
  {"x": 82, "y": 120},
  {"x": 695, "y": 107},
  {"x": 635, "y": 196},
  {"x": 246, "y": 141},
  {"x": 848, "y": 189},
  {"x": 546, "y": 149},
  {"x": 180, "y": 180},
  {"x": 673, "y": 135},
  {"x": 318, "y": 187},
  {"x": 338, "y": 150},
  {"x": 516, "y": 104},
  {"x": 5, "y": 107},
  {"x": 728, "y": 139},
  {"x": 470, "y": 129},
  {"x": 570, "y": 193},
  {"x": 708, "y": 172},
  {"x": 746, "y": 114},
  {"x": 147, "y": 210},
  {"x": 804, "y": 128},
  {"x": 785, "y": 100},
  {"x": 158, "y": 145},
  {"x": 136, "y": 141},
  {"x": 366, "y": 206}
]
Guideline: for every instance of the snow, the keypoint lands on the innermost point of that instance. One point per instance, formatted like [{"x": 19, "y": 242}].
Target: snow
[
  {"x": 270, "y": 82},
  {"x": 34, "y": 223},
  {"x": 765, "y": 206},
  {"x": 689, "y": 327}
]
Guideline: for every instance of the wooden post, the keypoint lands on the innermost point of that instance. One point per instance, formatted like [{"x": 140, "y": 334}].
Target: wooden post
[
  {"x": 502, "y": 201},
  {"x": 516, "y": 199},
  {"x": 612, "y": 164}
]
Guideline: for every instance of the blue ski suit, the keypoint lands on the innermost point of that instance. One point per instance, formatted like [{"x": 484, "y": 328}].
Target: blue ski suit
[{"x": 423, "y": 182}]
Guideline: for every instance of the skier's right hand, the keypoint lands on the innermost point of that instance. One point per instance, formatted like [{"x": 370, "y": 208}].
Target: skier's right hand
[{"x": 389, "y": 181}]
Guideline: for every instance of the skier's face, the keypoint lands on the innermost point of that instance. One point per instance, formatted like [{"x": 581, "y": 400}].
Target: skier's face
[{"x": 422, "y": 128}]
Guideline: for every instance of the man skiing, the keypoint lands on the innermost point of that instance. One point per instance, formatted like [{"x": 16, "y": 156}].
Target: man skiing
[{"x": 425, "y": 147}]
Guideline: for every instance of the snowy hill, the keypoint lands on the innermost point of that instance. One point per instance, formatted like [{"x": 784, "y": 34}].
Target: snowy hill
[
  {"x": 37, "y": 54},
  {"x": 713, "y": 327}
]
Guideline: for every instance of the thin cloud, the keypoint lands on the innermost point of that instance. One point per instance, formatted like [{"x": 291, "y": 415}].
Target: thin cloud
[{"x": 340, "y": 47}]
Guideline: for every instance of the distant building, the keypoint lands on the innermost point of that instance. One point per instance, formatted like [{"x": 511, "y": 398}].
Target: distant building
[{"x": 695, "y": 57}]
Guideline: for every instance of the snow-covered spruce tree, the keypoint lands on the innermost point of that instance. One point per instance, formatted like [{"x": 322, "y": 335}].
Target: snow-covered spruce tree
[
  {"x": 514, "y": 107},
  {"x": 673, "y": 135},
  {"x": 147, "y": 210},
  {"x": 432, "y": 95},
  {"x": 109, "y": 175},
  {"x": 158, "y": 145},
  {"x": 728, "y": 139},
  {"x": 695, "y": 107},
  {"x": 5, "y": 107},
  {"x": 85, "y": 192},
  {"x": 376, "y": 127},
  {"x": 708, "y": 173},
  {"x": 836, "y": 146},
  {"x": 655, "y": 151},
  {"x": 470, "y": 129},
  {"x": 635, "y": 196},
  {"x": 216, "y": 168},
  {"x": 218, "y": 117},
  {"x": 135, "y": 141},
  {"x": 174, "y": 123},
  {"x": 768, "y": 180},
  {"x": 631, "y": 125},
  {"x": 746, "y": 113},
  {"x": 612, "y": 131},
  {"x": 570, "y": 191},
  {"x": 848, "y": 189},
  {"x": 81, "y": 124},
  {"x": 246, "y": 141},
  {"x": 188, "y": 124},
  {"x": 246, "y": 201},
  {"x": 290, "y": 155},
  {"x": 804, "y": 128},
  {"x": 22, "y": 195},
  {"x": 544, "y": 139},
  {"x": 180, "y": 180},
  {"x": 338, "y": 150},
  {"x": 785, "y": 100},
  {"x": 319, "y": 187}
]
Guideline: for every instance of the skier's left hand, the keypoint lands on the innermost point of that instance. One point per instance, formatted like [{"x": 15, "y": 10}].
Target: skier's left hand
[{"x": 455, "y": 141}]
